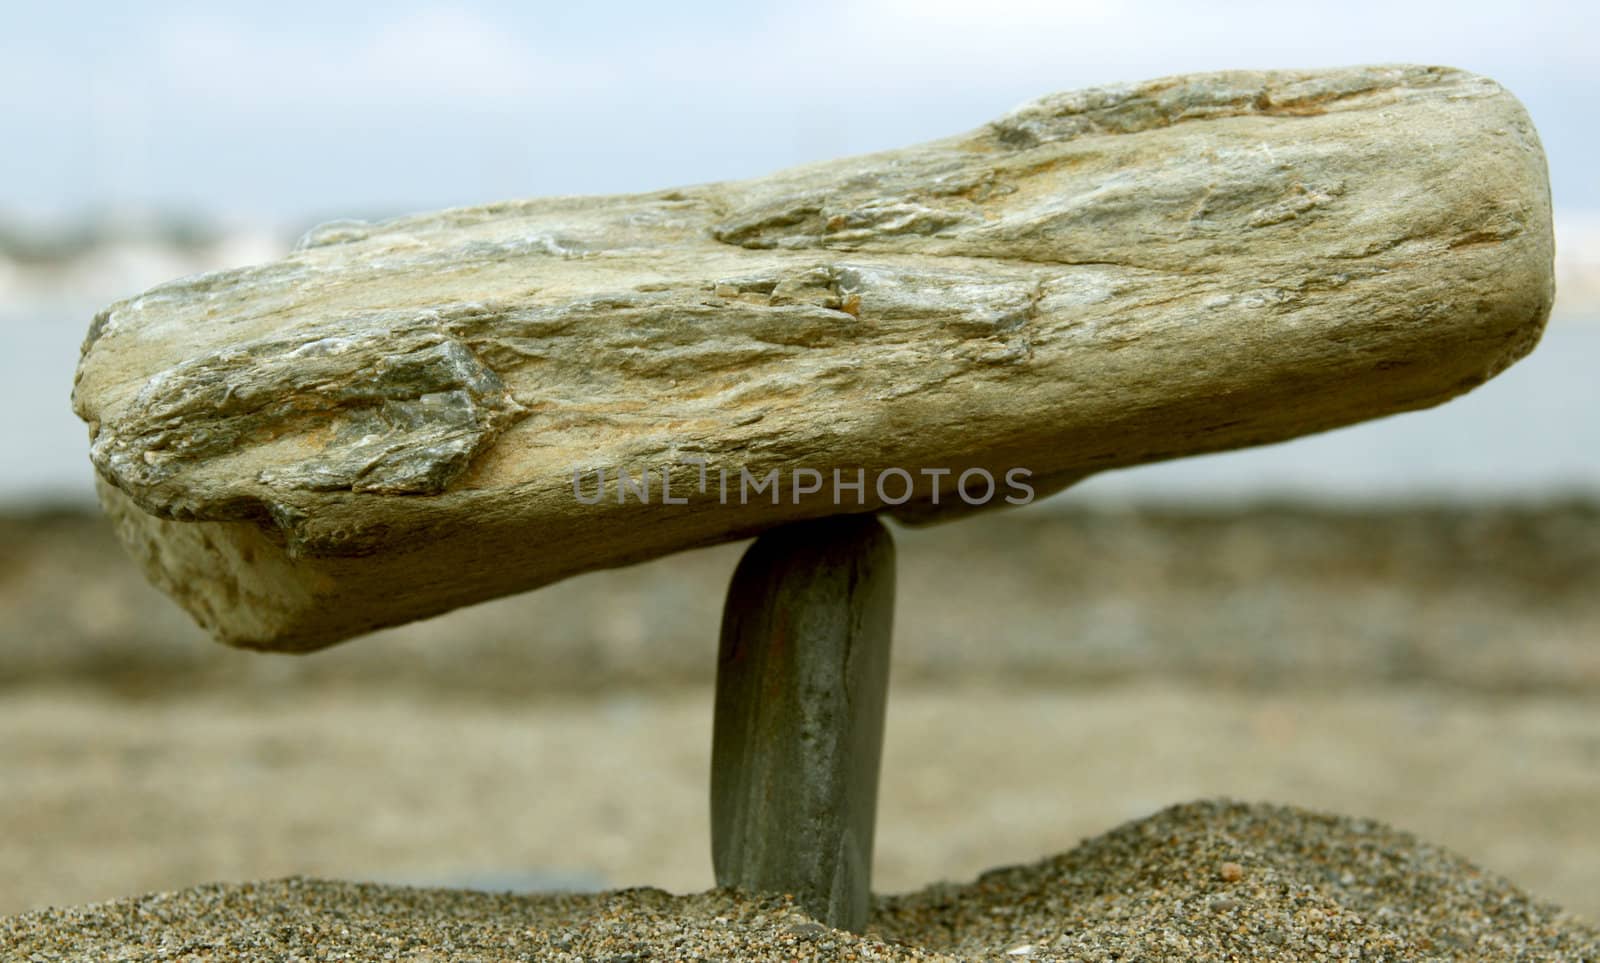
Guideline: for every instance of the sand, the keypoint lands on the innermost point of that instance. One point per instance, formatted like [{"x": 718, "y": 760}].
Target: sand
[
  {"x": 104, "y": 797},
  {"x": 1200, "y": 882}
]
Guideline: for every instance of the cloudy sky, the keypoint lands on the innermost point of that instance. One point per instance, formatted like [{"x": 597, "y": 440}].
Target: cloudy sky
[{"x": 291, "y": 110}]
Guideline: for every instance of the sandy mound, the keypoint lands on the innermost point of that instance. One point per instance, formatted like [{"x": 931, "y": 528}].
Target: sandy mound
[{"x": 1204, "y": 881}]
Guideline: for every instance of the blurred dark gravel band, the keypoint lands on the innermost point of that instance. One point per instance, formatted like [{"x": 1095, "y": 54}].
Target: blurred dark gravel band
[{"x": 1494, "y": 598}]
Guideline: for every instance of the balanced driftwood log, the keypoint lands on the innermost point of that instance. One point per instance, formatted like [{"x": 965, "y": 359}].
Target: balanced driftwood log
[
  {"x": 388, "y": 423},
  {"x": 402, "y": 418}
]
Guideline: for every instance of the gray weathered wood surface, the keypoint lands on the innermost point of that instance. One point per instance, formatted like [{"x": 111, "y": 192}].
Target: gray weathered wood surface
[
  {"x": 386, "y": 424},
  {"x": 802, "y": 677}
]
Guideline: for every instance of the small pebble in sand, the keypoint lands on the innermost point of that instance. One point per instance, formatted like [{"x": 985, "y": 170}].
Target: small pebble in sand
[{"x": 1231, "y": 872}]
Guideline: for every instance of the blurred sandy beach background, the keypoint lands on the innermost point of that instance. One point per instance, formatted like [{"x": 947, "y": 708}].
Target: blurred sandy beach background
[{"x": 1398, "y": 620}]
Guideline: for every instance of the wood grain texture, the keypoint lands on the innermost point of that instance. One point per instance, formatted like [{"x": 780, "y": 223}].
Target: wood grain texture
[
  {"x": 386, "y": 424},
  {"x": 802, "y": 678}
]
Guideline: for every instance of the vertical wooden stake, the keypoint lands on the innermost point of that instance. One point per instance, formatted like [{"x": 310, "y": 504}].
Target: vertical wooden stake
[{"x": 802, "y": 678}]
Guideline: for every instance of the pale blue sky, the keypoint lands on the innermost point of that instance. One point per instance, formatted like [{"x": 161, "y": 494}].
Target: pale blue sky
[{"x": 294, "y": 110}]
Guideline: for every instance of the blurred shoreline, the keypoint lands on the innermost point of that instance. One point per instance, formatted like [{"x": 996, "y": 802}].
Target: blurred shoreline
[{"x": 1493, "y": 598}]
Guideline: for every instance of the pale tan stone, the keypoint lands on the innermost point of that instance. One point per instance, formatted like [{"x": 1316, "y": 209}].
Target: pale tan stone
[{"x": 386, "y": 424}]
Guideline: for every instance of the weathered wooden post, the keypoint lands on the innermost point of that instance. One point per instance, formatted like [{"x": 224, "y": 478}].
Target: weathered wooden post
[
  {"x": 393, "y": 421},
  {"x": 802, "y": 678}
]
